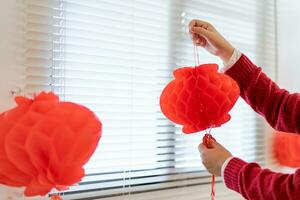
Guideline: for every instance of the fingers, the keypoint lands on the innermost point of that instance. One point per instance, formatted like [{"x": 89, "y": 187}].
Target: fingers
[
  {"x": 201, "y": 31},
  {"x": 198, "y": 40},
  {"x": 199, "y": 23},
  {"x": 202, "y": 147},
  {"x": 192, "y": 24},
  {"x": 215, "y": 144}
]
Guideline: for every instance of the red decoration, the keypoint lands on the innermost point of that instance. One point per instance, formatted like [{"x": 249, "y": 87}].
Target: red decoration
[
  {"x": 199, "y": 98},
  {"x": 207, "y": 140},
  {"x": 56, "y": 197},
  {"x": 286, "y": 148},
  {"x": 44, "y": 143}
]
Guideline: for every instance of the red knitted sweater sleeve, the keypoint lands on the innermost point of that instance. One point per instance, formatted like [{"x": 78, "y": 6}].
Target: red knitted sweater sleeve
[
  {"x": 255, "y": 183},
  {"x": 280, "y": 108}
]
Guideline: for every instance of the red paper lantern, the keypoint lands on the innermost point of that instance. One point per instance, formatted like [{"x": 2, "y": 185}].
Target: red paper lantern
[
  {"x": 286, "y": 148},
  {"x": 44, "y": 143},
  {"x": 199, "y": 98}
]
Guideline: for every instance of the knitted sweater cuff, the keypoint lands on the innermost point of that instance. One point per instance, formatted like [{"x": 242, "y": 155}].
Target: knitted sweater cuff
[
  {"x": 231, "y": 173},
  {"x": 241, "y": 71}
]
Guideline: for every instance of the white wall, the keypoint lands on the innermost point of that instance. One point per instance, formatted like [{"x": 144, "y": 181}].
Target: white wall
[
  {"x": 9, "y": 71},
  {"x": 289, "y": 44}
]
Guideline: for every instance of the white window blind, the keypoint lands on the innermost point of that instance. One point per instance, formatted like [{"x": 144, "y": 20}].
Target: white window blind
[{"x": 115, "y": 57}]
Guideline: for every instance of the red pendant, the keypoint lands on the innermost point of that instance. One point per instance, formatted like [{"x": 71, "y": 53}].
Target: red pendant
[{"x": 56, "y": 197}]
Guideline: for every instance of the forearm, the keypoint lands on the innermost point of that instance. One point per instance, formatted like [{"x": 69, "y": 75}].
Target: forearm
[
  {"x": 280, "y": 109},
  {"x": 255, "y": 183}
]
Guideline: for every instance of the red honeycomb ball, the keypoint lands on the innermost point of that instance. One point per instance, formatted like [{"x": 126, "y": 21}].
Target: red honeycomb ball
[
  {"x": 199, "y": 97},
  {"x": 44, "y": 143}
]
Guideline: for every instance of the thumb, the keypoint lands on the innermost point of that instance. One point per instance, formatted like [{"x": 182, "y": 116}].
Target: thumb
[
  {"x": 202, "y": 31},
  {"x": 202, "y": 147},
  {"x": 215, "y": 144}
]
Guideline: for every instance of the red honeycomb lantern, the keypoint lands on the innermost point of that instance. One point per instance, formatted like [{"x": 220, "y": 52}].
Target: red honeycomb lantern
[
  {"x": 199, "y": 97},
  {"x": 286, "y": 148},
  {"x": 44, "y": 143}
]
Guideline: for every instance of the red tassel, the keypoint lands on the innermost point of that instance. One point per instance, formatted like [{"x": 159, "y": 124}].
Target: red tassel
[
  {"x": 207, "y": 140},
  {"x": 56, "y": 197}
]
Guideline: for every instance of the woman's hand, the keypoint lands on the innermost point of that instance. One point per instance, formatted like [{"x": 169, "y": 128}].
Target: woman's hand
[
  {"x": 205, "y": 35},
  {"x": 213, "y": 158}
]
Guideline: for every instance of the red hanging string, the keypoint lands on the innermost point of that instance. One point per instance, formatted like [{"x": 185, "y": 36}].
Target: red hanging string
[
  {"x": 207, "y": 139},
  {"x": 212, "y": 194},
  {"x": 196, "y": 56}
]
